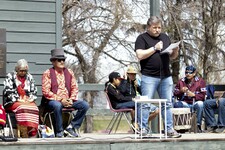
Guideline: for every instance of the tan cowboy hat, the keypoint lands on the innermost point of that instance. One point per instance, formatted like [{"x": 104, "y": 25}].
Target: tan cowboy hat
[{"x": 131, "y": 69}]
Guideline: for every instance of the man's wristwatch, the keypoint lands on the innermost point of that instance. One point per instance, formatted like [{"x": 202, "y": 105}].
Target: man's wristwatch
[{"x": 154, "y": 48}]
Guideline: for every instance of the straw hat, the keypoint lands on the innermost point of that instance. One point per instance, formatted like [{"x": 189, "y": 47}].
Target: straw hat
[{"x": 131, "y": 69}]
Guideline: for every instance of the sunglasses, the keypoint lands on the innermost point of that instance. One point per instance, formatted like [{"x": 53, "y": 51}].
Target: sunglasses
[
  {"x": 59, "y": 60},
  {"x": 186, "y": 72}
]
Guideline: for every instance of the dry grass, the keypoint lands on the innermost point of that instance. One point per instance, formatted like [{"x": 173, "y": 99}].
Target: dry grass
[{"x": 100, "y": 124}]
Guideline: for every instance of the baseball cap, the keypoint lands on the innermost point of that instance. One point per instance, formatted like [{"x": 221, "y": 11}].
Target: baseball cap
[
  {"x": 115, "y": 75},
  {"x": 190, "y": 69}
]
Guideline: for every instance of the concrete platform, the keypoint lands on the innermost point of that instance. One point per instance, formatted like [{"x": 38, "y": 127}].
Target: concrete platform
[{"x": 100, "y": 141}]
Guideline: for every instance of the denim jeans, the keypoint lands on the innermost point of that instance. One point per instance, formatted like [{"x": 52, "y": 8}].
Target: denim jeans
[
  {"x": 164, "y": 87},
  {"x": 128, "y": 104},
  {"x": 198, "y": 108},
  {"x": 56, "y": 107},
  {"x": 210, "y": 107}
]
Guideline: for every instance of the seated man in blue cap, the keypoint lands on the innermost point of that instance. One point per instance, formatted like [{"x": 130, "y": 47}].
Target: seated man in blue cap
[{"x": 190, "y": 92}]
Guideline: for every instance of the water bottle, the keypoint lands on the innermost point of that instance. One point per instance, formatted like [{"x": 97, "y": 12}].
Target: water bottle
[
  {"x": 6, "y": 131},
  {"x": 43, "y": 132}
]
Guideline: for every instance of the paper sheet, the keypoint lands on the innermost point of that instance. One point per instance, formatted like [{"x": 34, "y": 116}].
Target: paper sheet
[{"x": 170, "y": 48}]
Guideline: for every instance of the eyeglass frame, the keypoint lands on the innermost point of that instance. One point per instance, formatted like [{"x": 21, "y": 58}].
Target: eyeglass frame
[
  {"x": 23, "y": 71},
  {"x": 59, "y": 59}
]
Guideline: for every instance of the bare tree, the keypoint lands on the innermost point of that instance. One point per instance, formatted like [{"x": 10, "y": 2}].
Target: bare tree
[
  {"x": 98, "y": 33},
  {"x": 94, "y": 31},
  {"x": 201, "y": 26}
]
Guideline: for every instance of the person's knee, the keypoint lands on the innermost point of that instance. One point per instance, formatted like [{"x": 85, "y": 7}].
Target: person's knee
[
  {"x": 199, "y": 104},
  {"x": 222, "y": 102},
  {"x": 57, "y": 107},
  {"x": 178, "y": 104},
  {"x": 86, "y": 105}
]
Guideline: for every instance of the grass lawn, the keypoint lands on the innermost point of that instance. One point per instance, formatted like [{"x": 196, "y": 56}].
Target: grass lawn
[{"x": 100, "y": 124}]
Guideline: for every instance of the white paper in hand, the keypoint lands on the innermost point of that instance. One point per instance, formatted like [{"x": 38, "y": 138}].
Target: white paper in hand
[{"x": 170, "y": 48}]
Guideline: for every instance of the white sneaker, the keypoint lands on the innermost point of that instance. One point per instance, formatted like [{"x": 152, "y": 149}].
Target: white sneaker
[
  {"x": 173, "y": 134},
  {"x": 145, "y": 132}
]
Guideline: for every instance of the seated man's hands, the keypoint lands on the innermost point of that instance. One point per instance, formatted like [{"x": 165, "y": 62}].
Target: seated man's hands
[
  {"x": 190, "y": 94},
  {"x": 187, "y": 91},
  {"x": 184, "y": 89},
  {"x": 67, "y": 102},
  {"x": 70, "y": 102}
]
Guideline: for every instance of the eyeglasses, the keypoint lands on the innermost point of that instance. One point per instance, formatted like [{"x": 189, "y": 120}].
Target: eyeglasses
[
  {"x": 22, "y": 70},
  {"x": 132, "y": 74},
  {"x": 59, "y": 60}
]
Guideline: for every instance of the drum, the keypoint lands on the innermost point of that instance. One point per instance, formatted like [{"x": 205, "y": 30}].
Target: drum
[{"x": 181, "y": 118}]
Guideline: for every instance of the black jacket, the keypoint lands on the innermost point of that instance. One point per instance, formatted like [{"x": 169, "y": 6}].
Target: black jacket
[
  {"x": 128, "y": 88},
  {"x": 116, "y": 96}
]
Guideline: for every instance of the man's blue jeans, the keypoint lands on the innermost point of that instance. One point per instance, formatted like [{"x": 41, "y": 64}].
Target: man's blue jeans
[
  {"x": 164, "y": 87},
  {"x": 210, "y": 107},
  {"x": 198, "y": 107},
  {"x": 56, "y": 107}
]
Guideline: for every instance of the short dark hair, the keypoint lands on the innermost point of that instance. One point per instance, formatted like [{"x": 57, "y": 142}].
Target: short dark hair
[{"x": 153, "y": 20}]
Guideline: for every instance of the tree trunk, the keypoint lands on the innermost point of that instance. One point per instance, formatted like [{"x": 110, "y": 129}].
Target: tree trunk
[{"x": 88, "y": 124}]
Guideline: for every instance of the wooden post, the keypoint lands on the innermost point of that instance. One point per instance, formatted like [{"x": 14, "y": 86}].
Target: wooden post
[
  {"x": 154, "y": 8},
  {"x": 88, "y": 122}
]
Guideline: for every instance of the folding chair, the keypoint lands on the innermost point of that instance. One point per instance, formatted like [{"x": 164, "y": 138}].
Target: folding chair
[
  {"x": 8, "y": 116},
  {"x": 118, "y": 113},
  {"x": 48, "y": 113}
]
